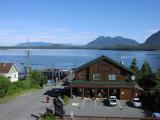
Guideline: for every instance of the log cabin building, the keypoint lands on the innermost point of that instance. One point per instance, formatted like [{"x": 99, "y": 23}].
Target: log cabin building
[{"x": 104, "y": 77}]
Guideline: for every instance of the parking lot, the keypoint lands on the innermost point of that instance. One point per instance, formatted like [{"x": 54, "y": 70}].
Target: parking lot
[{"x": 101, "y": 108}]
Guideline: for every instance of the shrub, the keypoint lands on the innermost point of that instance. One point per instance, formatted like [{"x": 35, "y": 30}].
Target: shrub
[
  {"x": 38, "y": 78},
  {"x": 4, "y": 85},
  {"x": 47, "y": 116},
  {"x": 21, "y": 85},
  {"x": 66, "y": 99}
]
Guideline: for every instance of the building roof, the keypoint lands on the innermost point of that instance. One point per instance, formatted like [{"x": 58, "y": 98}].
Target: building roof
[
  {"x": 5, "y": 67},
  {"x": 136, "y": 85},
  {"x": 107, "y": 59},
  {"x": 105, "y": 84},
  {"x": 100, "y": 84},
  {"x": 96, "y": 82}
]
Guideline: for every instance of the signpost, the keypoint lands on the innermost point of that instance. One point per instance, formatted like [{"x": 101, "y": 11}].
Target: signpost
[{"x": 59, "y": 103}]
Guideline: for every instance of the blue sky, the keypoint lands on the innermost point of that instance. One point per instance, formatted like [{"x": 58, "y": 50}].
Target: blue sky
[{"x": 76, "y": 21}]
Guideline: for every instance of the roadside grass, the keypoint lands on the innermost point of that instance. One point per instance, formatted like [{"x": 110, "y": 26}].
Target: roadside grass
[
  {"x": 66, "y": 99},
  {"x": 11, "y": 97}
]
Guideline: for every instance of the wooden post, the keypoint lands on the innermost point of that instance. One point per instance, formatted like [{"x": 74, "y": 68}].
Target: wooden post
[
  {"x": 71, "y": 92},
  {"x": 108, "y": 94},
  {"x": 95, "y": 93},
  {"x": 82, "y": 92}
]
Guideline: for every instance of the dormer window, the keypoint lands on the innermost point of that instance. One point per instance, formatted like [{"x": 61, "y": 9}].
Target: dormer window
[
  {"x": 112, "y": 77},
  {"x": 96, "y": 77}
]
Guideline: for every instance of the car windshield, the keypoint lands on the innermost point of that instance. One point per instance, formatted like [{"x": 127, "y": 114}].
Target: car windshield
[
  {"x": 136, "y": 100},
  {"x": 113, "y": 100}
]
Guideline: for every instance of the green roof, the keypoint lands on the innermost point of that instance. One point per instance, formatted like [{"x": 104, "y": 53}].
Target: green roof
[
  {"x": 107, "y": 59},
  {"x": 99, "y": 82}
]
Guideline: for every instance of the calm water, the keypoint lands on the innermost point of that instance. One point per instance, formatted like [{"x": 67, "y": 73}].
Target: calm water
[{"x": 69, "y": 58}]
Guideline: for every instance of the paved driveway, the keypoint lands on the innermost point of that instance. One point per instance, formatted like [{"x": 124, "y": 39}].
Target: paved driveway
[
  {"x": 89, "y": 107},
  {"x": 23, "y": 106}
]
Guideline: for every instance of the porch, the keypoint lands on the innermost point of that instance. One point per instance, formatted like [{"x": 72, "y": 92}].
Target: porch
[
  {"x": 94, "y": 93},
  {"x": 123, "y": 90}
]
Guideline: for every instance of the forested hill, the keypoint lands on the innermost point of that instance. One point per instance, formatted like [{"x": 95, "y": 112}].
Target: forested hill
[{"x": 109, "y": 42}]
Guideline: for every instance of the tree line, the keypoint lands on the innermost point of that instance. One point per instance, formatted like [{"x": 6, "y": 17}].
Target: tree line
[
  {"x": 36, "y": 80},
  {"x": 150, "y": 82}
]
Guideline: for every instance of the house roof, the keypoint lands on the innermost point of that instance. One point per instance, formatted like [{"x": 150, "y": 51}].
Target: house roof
[
  {"x": 96, "y": 82},
  {"x": 5, "y": 67},
  {"x": 136, "y": 85},
  {"x": 100, "y": 84},
  {"x": 105, "y": 84},
  {"x": 107, "y": 59}
]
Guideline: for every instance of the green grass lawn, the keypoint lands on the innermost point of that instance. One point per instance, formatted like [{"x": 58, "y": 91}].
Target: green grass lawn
[{"x": 9, "y": 98}]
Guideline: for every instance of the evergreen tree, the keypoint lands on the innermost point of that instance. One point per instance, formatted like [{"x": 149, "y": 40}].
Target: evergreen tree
[
  {"x": 146, "y": 69},
  {"x": 156, "y": 88},
  {"x": 147, "y": 78},
  {"x": 133, "y": 66},
  {"x": 158, "y": 77}
]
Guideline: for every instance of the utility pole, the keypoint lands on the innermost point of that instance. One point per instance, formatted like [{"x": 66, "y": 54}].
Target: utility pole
[
  {"x": 27, "y": 66},
  {"x": 53, "y": 75}
]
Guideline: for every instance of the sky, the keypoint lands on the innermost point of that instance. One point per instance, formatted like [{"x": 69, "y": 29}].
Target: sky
[{"x": 76, "y": 21}]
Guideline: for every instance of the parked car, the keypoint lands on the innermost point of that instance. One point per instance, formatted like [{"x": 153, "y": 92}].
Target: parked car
[
  {"x": 113, "y": 100},
  {"x": 136, "y": 102},
  {"x": 156, "y": 114}
]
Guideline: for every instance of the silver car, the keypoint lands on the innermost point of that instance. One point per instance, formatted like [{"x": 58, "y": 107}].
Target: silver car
[
  {"x": 136, "y": 102},
  {"x": 113, "y": 100}
]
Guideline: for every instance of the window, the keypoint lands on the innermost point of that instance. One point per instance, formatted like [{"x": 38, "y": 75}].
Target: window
[
  {"x": 96, "y": 77},
  {"x": 112, "y": 77},
  {"x": 82, "y": 75}
]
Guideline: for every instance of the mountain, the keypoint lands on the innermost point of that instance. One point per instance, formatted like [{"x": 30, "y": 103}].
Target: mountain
[
  {"x": 109, "y": 42},
  {"x": 43, "y": 45},
  {"x": 33, "y": 44},
  {"x": 152, "y": 42},
  {"x": 154, "y": 39}
]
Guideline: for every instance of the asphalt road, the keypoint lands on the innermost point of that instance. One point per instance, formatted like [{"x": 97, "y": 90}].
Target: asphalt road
[{"x": 24, "y": 105}]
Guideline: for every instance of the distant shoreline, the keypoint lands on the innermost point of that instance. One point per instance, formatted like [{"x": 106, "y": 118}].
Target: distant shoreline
[{"x": 80, "y": 48}]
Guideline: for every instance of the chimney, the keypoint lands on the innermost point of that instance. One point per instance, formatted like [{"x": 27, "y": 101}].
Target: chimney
[
  {"x": 122, "y": 62},
  {"x": 3, "y": 64}
]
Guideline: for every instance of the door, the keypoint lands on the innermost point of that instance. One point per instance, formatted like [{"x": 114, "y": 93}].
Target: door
[{"x": 125, "y": 94}]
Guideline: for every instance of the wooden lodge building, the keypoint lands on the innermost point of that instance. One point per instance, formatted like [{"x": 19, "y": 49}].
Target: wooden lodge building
[{"x": 104, "y": 77}]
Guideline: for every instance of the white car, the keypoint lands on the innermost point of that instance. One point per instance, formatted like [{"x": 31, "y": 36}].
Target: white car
[
  {"x": 156, "y": 115},
  {"x": 136, "y": 102},
  {"x": 113, "y": 100}
]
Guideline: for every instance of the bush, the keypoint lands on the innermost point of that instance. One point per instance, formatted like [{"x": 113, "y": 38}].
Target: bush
[
  {"x": 66, "y": 99},
  {"x": 38, "y": 78},
  {"x": 21, "y": 85},
  {"x": 4, "y": 85},
  {"x": 47, "y": 116},
  {"x": 8, "y": 88}
]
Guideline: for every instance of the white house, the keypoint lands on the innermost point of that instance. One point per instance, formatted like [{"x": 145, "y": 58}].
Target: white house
[{"x": 9, "y": 70}]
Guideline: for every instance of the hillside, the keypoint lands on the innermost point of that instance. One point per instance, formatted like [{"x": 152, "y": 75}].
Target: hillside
[
  {"x": 33, "y": 44},
  {"x": 109, "y": 42},
  {"x": 153, "y": 39},
  {"x": 43, "y": 45},
  {"x": 152, "y": 42}
]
